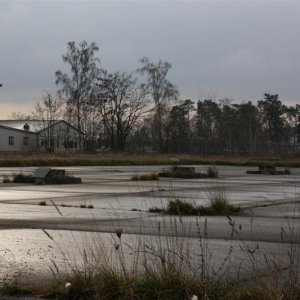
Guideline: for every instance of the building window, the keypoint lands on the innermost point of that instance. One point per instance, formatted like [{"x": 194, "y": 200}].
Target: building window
[
  {"x": 11, "y": 140},
  {"x": 26, "y": 140}
]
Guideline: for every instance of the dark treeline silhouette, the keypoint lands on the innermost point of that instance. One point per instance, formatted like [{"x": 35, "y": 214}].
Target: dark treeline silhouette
[
  {"x": 117, "y": 112},
  {"x": 222, "y": 127}
]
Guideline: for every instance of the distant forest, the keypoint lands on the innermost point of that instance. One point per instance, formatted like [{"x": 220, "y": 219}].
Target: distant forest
[{"x": 141, "y": 111}]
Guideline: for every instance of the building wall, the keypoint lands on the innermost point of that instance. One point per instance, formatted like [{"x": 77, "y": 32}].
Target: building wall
[
  {"x": 59, "y": 136},
  {"x": 18, "y": 140}
]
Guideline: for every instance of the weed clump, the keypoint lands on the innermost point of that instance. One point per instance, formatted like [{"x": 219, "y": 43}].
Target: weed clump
[
  {"x": 6, "y": 179},
  {"x": 145, "y": 177},
  {"x": 181, "y": 172},
  {"x": 39, "y": 181},
  {"x": 156, "y": 210},
  {"x": 182, "y": 207},
  {"x": 85, "y": 206}
]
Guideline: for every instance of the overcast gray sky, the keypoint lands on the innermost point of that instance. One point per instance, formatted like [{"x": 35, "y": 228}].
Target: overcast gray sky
[{"x": 234, "y": 49}]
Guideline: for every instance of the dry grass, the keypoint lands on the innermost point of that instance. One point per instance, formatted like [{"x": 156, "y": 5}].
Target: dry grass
[
  {"x": 167, "y": 267},
  {"x": 107, "y": 159},
  {"x": 152, "y": 267},
  {"x": 280, "y": 278}
]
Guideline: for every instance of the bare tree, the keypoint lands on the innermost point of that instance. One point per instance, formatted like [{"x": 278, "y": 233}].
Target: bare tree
[
  {"x": 78, "y": 87},
  {"x": 162, "y": 91},
  {"x": 48, "y": 111},
  {"x": 20, "y": 116},
  {"x": 121, "y": 102}
]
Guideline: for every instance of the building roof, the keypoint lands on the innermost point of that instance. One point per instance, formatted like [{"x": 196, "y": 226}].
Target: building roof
[
  {"x": 35, "y": 126},
  {"x": 15, "y": 129}
]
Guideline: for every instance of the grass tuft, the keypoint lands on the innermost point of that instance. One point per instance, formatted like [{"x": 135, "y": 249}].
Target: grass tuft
[
  {"x": 212, "y": 172},
  {"x": 222, "y": 206},
  {"x": 180, "y": 207}
]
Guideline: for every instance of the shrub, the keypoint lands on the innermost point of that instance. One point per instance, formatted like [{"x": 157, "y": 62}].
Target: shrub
[{"x": 42, "y": 203}]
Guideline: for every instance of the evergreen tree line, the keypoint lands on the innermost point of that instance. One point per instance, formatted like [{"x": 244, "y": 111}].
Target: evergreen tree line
[
  {"x": 222, "y": 127},
  {"x": 141, "y": 111}
]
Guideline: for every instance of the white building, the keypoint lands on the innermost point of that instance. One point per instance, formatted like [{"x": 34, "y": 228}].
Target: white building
[
  {"x": 15, "y": 140},
  {"x": 35, "y": 135}
]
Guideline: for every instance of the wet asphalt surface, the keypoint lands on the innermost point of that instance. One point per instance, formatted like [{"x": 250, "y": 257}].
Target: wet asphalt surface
[{"x": 269, "y": 217}]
